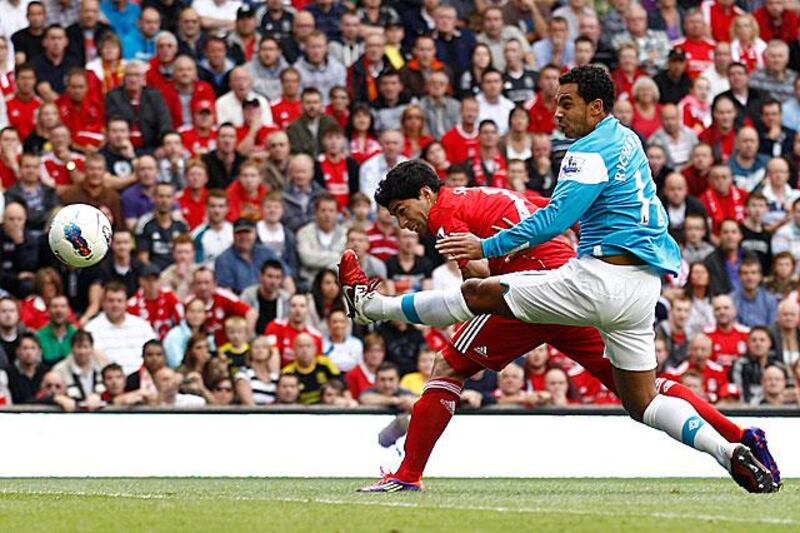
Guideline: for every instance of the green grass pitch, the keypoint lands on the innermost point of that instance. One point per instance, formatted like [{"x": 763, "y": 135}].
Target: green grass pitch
[{"x": 321, "y": 505}]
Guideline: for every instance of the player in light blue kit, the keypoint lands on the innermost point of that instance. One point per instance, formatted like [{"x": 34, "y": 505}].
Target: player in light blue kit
[{"x": 613, "y": 285}]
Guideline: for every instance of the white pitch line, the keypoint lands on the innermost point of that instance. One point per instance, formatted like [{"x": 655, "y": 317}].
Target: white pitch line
[{"x": 413, "y": 505}]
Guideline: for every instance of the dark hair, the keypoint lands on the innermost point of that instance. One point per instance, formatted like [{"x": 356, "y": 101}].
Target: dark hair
[
  {"x": 387, "y": 365},
  {"x": 457, "y": 168},
  {"x": 359, "y": 107},
  {"x": 593, "y": 83},
  {"x": 768, "y": 102},
  {"x": 517, "y": 109},
  {"x": 584, "y": 39},
  {"x": 736, "y": 64},
  {"x": 753, "y": 196},
  {"x": 750, "y": 259},
  {"x": 323, "y": 196},
  {"x": 151, "y": 342},
  {"x": 81, "y": 336},
  {"x": 226, "y": 125},
  {"x": 763, "y": 329},
  {"x": 272, "y": 263},
  {"x": 31, "y": 337},
  {"x": 111, "y": 367},
  {"x": 316, "y": 294},
  {"x": 115, "y": 286},
  {"x": 488, "y": 122},
  {"x": 405, "y": 181},
  {"x": 310, "y": 90},
  {"x": 53, "y": 27},
  {"x": 23, "y": 68}
]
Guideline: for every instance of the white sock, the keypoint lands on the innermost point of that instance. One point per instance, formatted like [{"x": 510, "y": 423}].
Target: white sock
[
  {"x": 680, "y": 421},
  {"x": 432, "y": 308}
]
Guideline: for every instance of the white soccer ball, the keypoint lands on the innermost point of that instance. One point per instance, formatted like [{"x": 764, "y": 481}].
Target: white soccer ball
[{"x": 80, "y": 235}]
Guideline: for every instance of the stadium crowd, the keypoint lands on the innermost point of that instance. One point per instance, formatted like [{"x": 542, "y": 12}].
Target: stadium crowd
[{"x": 236, "y": 147}]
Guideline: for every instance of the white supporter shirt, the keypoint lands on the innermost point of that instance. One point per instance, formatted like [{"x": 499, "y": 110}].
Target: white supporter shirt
[
  {"x": 213, "y": 242},
  {"x": 121, "y": 344},
  {"x": 226, "y": 10},
  {"x": 719, "y": 82},
  {"x": 229, "y": 109},
  {"x": 13, "y": 18},
  {"x": 498, "y": 112},
  {"x": 345, "y": 355},
  {"x": 372, "y": 172}
]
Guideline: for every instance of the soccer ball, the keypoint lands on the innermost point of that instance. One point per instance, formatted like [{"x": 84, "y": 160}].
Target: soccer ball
[{"x": 80, "y": 235}]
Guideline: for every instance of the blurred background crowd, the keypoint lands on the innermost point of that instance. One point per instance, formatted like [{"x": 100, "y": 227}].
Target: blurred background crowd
[{"x": 236, "y": 146}]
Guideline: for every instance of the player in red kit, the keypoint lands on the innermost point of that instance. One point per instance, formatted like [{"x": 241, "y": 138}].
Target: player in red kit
[
  {"x": 413, "y": 194},
  {"x": 154, "y": 303},
  {"x": 282, "y": 332}
]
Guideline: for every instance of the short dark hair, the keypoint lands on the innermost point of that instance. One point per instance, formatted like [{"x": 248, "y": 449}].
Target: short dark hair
[
  {"x": 456, "y": 168},
  {"x": 112, "y": 367},
  {"x": 81, "y": 336},
  {"x": 750, "y": 259},
  {"x": 584, "y": 39},
  {"x": 323, "y": 196},
  {"x": 151, "y": 342},
  {"x": 310, "y": 90},
  {"x": 31, "y": 337},
  {"x": 405, "y": 181},
  {"x": 593, "y": 83},
  {"x": 24, "y": 67},
  {"x": 387, "y": 365},
  {"x": 769, "y": 102},
  {"x": 763, "y": 329},
  {"x": 272, "y": 263}
]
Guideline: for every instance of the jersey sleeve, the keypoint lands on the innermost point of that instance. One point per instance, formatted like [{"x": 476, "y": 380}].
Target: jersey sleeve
[{"x": 582, "y": 178}]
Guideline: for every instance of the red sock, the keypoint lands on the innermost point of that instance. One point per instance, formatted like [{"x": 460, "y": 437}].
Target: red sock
[
  {"x": 724, "y": 426},
  {"x": 429, "y": 418}
]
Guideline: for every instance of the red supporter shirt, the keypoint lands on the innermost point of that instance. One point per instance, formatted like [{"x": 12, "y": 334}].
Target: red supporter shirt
[
  {"x": 33, "y": 313},
  {"x": 720, "y": 19},
  {"x": 722, "y": 143},
  {"x": 284, "y": 112},
  {"x": 590, "y": 389},
  {"x": 57, "y": 169},
  {"x": 336, "y": 179},
  {"x": 623, "y": 84},
  {"x": 341, "y": 117},
  {"x": 358, "y": 380},
  {"x": 7, "y": 175},
  {"x": 7, "y": 85},
  {"x": 260, "y": 142},
  {"x": 459, "y": 145},
  {"x": 542, "y": 117},
  {"x": 728, "y": 345},
  {"x": 479, "y": 210},
  {"x": 241, "y": 205},
  {"x": 85, "y": 121},
  {"x": 786, "y": 31},
  {"x": 281, "y": 334},
  {"x": 196, "y": 144},
  {"x": 496, "y": 178},
  {"x": 721, "y": 207},
  {"x": 202, "y": 91},
  {"x": 194, "y": 211},
  {"x": 715, "y": 379},
  {"x": 536, "y": 381},
  {"x": 22, "y": 115},
  {"x": 363, "y": 151},
  {"x": 382, "y": 245},
  {"x": 698, "y": 184},
  {"x": 699, "y": 55},
  {"x": 163, "y": 313},
  {"x": 223, "y": 304}
]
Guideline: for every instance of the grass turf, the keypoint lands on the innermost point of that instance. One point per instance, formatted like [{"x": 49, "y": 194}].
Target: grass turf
[{"x": 231, "y": 505}]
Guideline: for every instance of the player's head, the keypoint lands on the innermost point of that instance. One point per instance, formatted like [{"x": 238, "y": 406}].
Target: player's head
[
  {"x": 584, "y": 98},
  {"x": 408, "y": 192}
]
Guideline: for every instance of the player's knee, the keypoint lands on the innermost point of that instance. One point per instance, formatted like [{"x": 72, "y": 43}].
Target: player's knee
[
  {"x": 442, "y": 369},
  {"x": 636, "y": 406},
  {"x": 474, "y": 295}
]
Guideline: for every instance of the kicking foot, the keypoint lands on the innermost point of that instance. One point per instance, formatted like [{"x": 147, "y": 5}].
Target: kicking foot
[
  {"x": 750, "y": 474},
  {"x": 391, "y": 483},
  {"x": 356, "y": 287},
  {"x": 755, "y": 439}
]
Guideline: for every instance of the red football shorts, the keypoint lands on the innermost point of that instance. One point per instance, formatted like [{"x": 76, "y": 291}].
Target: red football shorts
[{"x": 491, "y": 341}]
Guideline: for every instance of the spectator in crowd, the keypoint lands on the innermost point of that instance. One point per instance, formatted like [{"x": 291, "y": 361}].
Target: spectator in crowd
[
  {"x": 653, "y": 45},
  {"x": 773, "y": 387},
  {"x": 229, "y": 105},
  {"x": 677, "y": 140},
  {"x": 469, "y": 84},
  {"x": 349, "y": 46},
  {"x": 141, "y": 44},
  {"x": 178, "y": 276},
  {"x": 272, "y": 233},
  {"x": 782, "y": 280},
  {"x": 28, "y": 39},
  {"x": 747, "y": 371},
  {"x": 673, "y": 82},
  {"x": 287, "y": 107},
  {"x": 627, "y": 72},
  {"x": 300, "y": 191},
  {"x": 317, "y": 69},
  {"x": 391, "y": 102},
  {"x": 19, "y": 252},
  {"x": 305, "y": 133},
  {"x": 156, "y": 231},
  {"x": 775, "y": 139},
  {"x": 287, "y": 391},
  {"x": 193, "y": 323},
  {"x": 119, "y": 152},
  {"x": 275, "y": 170},
  {"x": 723, "y": 200},
  {"x": 238, "y": 267},
  {"x": 680, "y": 206},
  {"x": 785, "y": 334},
  {"x": 82, "y": 112},
  {"x": 246, "y": 193},
  {"x": 39, "y": 199},
  {"x": 695, "y": 107},
  {"x": 790, "y": 115},
  {"x": 53, "y": 392},
  {"x": 413, "y": 126},
  {"x": 696, "y": 172},
  {"x": 137, "y": 200},
  {"x": 282, "y": 332},
  {"x": 223, "y": 162},
  {"x": 119, "y": 265},
  {"x": 325, "y": 296},
  {"x": 118, "y": 334},
  {"x": 197, "y": 367},
  {"x": 26, "y": 373},
  {"x": 787, "y": 237},
  {"x": 10, "y": 328},
  {"x": 362, "y": 376},
  {"x": 511, "y": 389},
  {"x": 776, "y": 21},
  {"x": 454, "y": 45},
  {"x": 142, "y": 107},
  {"x": 155, "y": 303},
  {"x": 775, "y": 78},
  {"x": 53, "y": 64},
  {"x": 387, "y": 391},
  {"x": 721, "y": 134},
  {"x": 81, "y": 370},
  {"x": 321, "y": 242},
  {"x": 461, "y": 141},
  {"x": 363, "y": 75},
  {"x": 729, "y": 336},
  {"x": 109, "y": 66},
  {"x": 717, "y": 73},
  {"x": 755, "y": 237},
  {"x": 557, "y": 49},
  {"x": 715, "y": 377},
  {"x": 345, "y": 350},
  {"x": 85, "y": 33},
  {"x": 375, "y": 168},
  {"x": 695, "y": 246},
  {"x": 312, "y": 369},
  {"x": 358, "y": 240},
  {"x": 519, "y": 80},
  {"x": 723, "y": 263},
  {"x": 746, "y": 45},
  {"x": 55, "y": 337},
  {"x": 256, "y": 382},
  {"x": 673, "y": 330},
  {"x": 235, "y": 351},
  {"x": 216, "y": 235},
  {"x": 168, "y": 383},
  {"x": 496, "y": 34},
  {"x": 416, "y": 72},
  {"x": 268, "y": 298},
  {"x": 646, "y": 109},
  {"x": 747, "y": 165},
  {"x": 201, "y": 136},
  {"x": 406, "y": 270},
  {"x": 114, "y": 385},
  {"x": 698, "y": 47},
  {"x": 266, "y": 67},
  {"x": 492, "y": 104},
  {"x": 755, "y": 306},
  {"x": 778, "y": 193}
]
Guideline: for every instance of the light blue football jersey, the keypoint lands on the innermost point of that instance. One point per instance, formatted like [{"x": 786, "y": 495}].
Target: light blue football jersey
[{"x": 606, "y": 185}]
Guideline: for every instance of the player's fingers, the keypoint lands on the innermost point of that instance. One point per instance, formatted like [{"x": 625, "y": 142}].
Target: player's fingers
[
  {"x": 507, "y": 221},
  {"x": 497, "y": 228}
]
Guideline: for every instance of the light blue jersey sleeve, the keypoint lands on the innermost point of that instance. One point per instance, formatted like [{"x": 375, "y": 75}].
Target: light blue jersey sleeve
[{"x": 582, "y": 179}]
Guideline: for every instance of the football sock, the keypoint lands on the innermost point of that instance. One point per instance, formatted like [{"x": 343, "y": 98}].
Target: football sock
[
  {"x": 680, "y": 421},
  {"x": 432, "y": 308},
  {"x": 718, "y": 421},
  {"x": 429, "y": 418}
]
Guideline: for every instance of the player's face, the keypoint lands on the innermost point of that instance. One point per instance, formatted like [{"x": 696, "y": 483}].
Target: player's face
[
  {"x": 575, "y": 117},
  {"x": 412, "y": 213}
]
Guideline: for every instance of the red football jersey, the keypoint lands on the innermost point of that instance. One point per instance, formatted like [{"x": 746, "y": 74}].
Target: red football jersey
[
  {"x": 223, "y": 304},
  {"x": 22, "y": 115},
  {"x": 459, "y": 145},
  {"x": 715, "y": 379},
  {"x": 194, "y": 211},
  {"x": 284, "y": 112},
  {"x": 163, "y": 313},
  {"x": 57, "y": 169},
  {"x": 281, "y": 334},
  {"x": 358, "y": 380},
  {"x": 195, "y": 143},
  {"x": 720, "y": 19},
  {"x": 699, "y": 55},
  {"x": 336, "y": 180},
  {"x": 381, "y": 245},
  {"x": 7, "y": 84},
  {"x": 85, "y": 121},
  {"x": 363, "y": 151},
  {"x": 721, "y": 207},
  {"x": 542, "y": 117},
  {"x": 481, "y": 211},
  {"x": 728, "y": 345}
]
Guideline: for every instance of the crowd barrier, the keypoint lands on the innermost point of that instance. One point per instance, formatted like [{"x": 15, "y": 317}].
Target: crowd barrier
[{"x": 293, "y": 443}]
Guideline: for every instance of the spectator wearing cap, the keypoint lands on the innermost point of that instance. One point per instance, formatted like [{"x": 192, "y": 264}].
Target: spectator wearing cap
[
  {"x": 453, "y": 46},
  {"x": 775, "y": 78},
  {"x": 82, "y": 112},
  {"x": 85, "y": 34},
  {"x": 53, "y": 64},
  {"x": 238, "y": 267},
  {"x": 229, "y": 106},
  {"x": 317, "y": 69},
  {"x": 141, "y": 44},
  {"x": 142, "y": 107},
  {"x": 223, "y": 162},
  {"x": 348, "y": 46},
  {"x": 266, "y": 68},
  {"x": 217, "y": 14},
  {"x": 215, "y": 66},
  {"x": 243, "y": 40},
  {"x": 306, "y": 131},
  {"x": 363, "y": 75},
  {"x": 288, "y": 107},
  {"x": 300, "y": 191},
  {"x": 673, "y": 82},
  {"x": 28, "y": 40},
  {"x": 156, "y": 231},
  {"x": 118, "y": 334},
  {"x": 200, "y": 137},
  {"x": 322, "y": 241}
]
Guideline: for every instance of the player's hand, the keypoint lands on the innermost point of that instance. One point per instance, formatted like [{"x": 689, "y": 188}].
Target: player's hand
[{"x": 460, "y": 246}]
